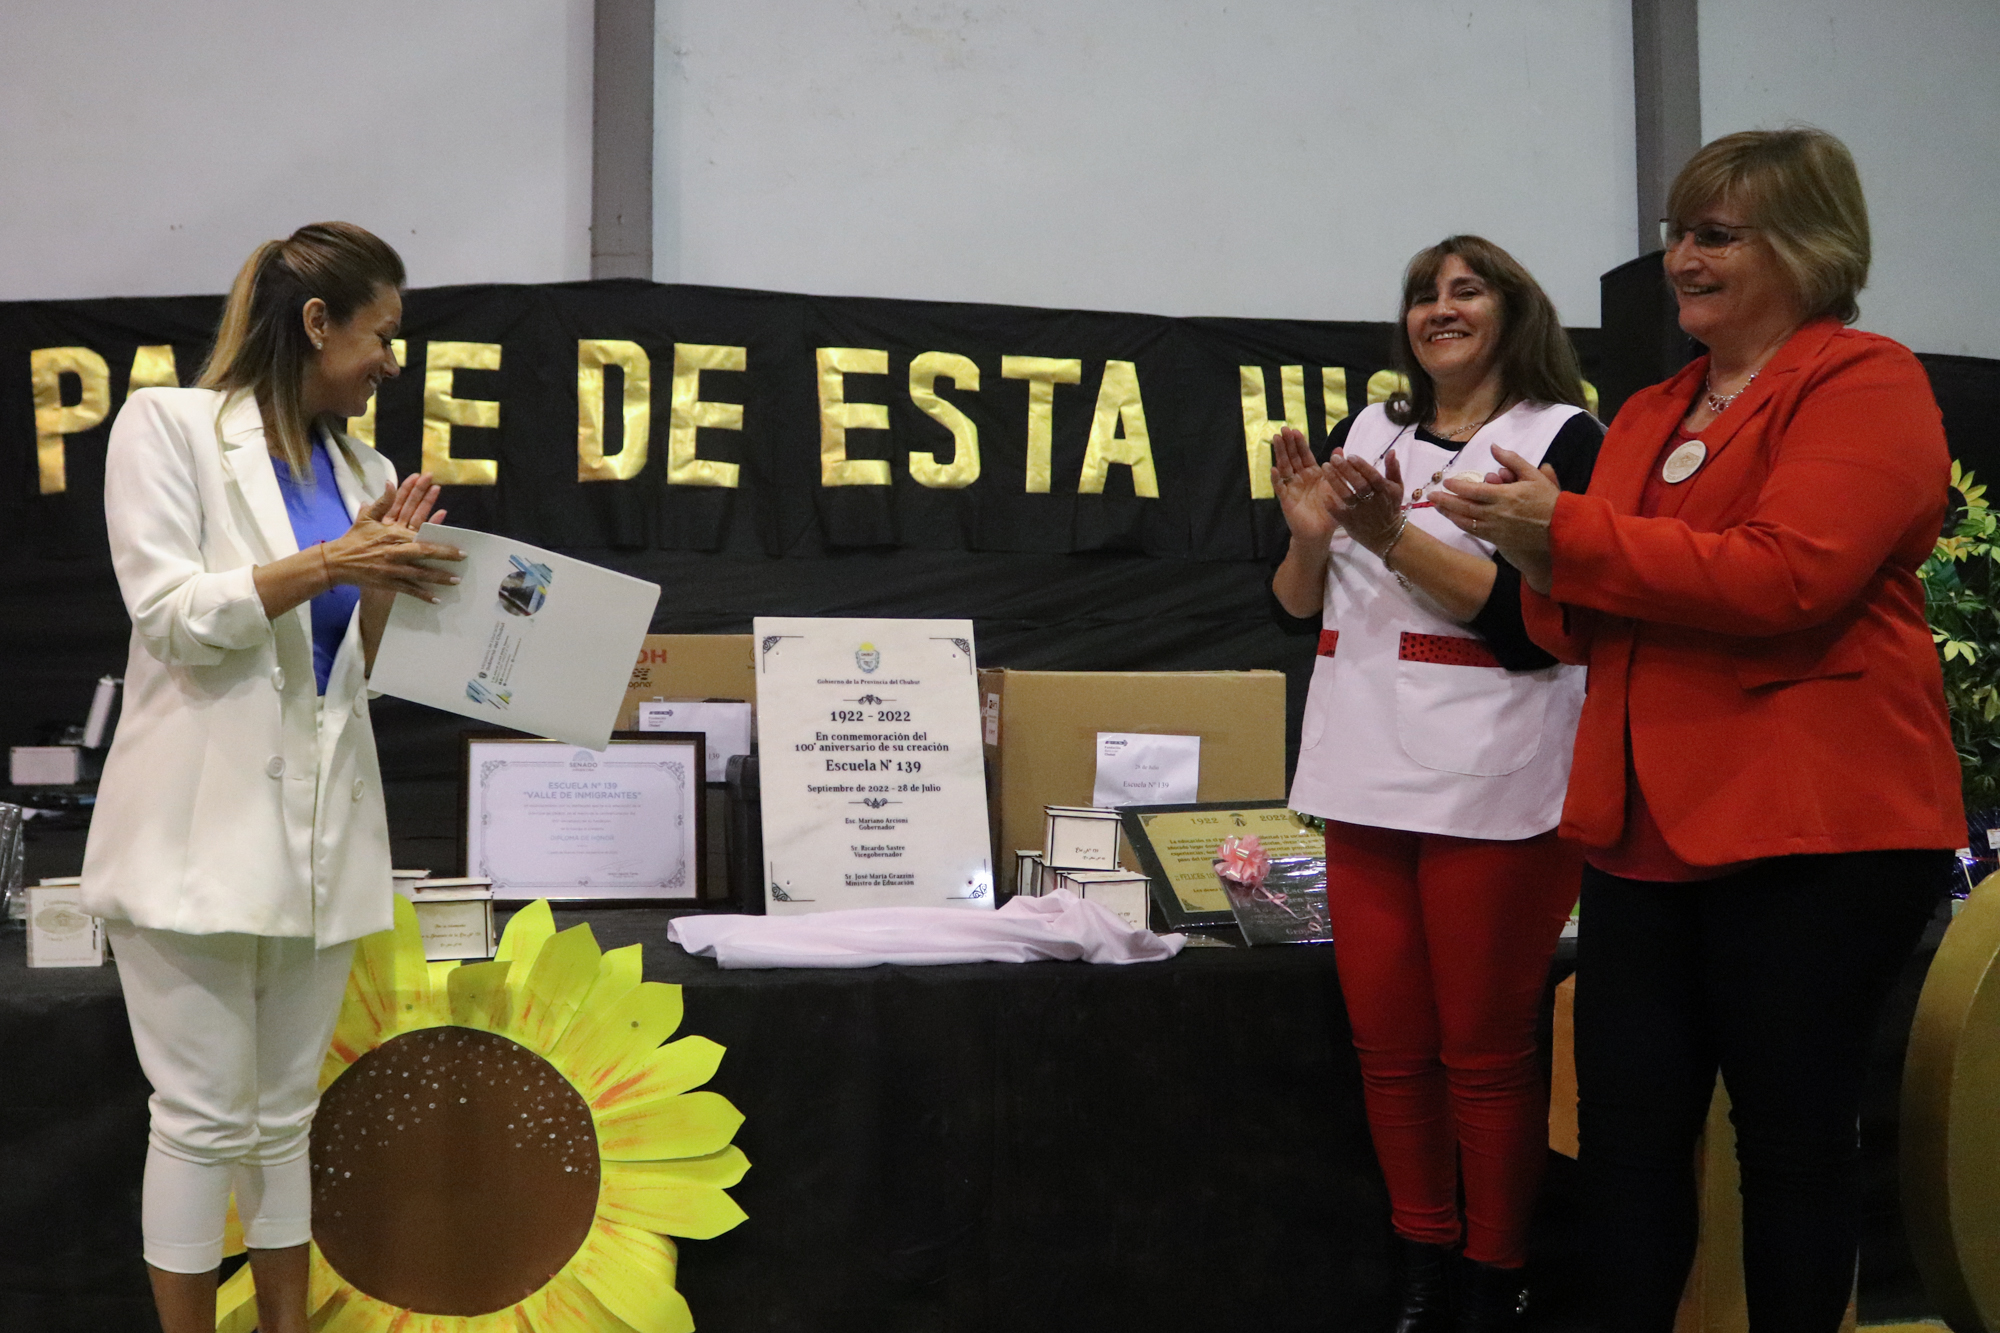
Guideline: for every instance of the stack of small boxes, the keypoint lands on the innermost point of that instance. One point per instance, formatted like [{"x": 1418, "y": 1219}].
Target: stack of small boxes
[{"x": 1081, "y": 851}]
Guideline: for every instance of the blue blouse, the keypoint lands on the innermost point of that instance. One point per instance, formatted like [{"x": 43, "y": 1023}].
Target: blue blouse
[{"x": 318, "y": 514}]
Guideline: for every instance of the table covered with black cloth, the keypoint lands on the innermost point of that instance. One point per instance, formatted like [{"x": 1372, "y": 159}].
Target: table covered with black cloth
[{"x": 1165, "y": 1146}]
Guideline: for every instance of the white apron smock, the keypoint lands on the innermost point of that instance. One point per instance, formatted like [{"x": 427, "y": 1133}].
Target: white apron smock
[{"x": 1410, "y": 722}]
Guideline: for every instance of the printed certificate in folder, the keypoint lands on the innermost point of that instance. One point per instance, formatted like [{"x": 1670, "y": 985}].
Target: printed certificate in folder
[{"x": 526, "y": 639}]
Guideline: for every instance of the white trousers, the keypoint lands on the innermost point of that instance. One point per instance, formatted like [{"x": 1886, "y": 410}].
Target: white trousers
[{"x": 230, "y": 1030}]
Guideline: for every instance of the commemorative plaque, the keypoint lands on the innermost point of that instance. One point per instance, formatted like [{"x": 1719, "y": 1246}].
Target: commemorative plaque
[{"x": 874, "y": 786}]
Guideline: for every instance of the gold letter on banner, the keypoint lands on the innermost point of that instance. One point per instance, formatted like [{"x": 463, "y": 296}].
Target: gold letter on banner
[
  {"x": 690, "y": 414},
  {"x": 153, "y": 368},
  {"x": 592, "y": 356},
  {"x": 1042, "y": 373},
  {"x": 442, "y": 412},
  {"x": 46, "y": 367},
  {"x": 1257, "y": 424},
  {"x": 1386, "y": 384},
  {"x": 1333, "y": 388},
  {"x": 964, "y": 467},
  {"x": 362, "y": 427},
  {"x": 837, "y": 416},
  {"x": 1118, "y": 406}
]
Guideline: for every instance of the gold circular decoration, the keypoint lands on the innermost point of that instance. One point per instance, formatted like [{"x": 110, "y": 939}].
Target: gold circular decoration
[
  {"x": 507, "y": 1147},
  {"x": 1950, "y": 1131}
]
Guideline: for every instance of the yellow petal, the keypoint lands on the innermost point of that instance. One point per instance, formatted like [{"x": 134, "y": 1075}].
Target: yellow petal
[
  {"x": 565, "y": 1305},
  {"x": 547, "y": 998},
  {"x": 236, "y": 1301},
  {"x": 232, "y": 1230},
  {"x": 526, "y": 932},
  {"x": 441, "y": 972},
  {"x": 478, "y": 995},
  {"x": 603, "y": 1043},
  {"x": 499, "y": 1321},
  {"x": 666, "y": 1072},
  {"x": 632, "y": 1272},
  {"x": 355, "y": 1311},
  {"x": 617, "y": 972},
  {"x": 331, "y": 1068},
  {"x": 322, "y": 1283},
  {"x": 639, "y": 1194},
  {"x": 717, "y": 1169},
  {"x": 389, "y": 989},
  {"x": 690, "y": 1125}
]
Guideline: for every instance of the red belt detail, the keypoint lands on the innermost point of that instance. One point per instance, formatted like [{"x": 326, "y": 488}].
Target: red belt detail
[
  {"x": 1329, "y": 639},
  {"x": 1445, "y": 650}
]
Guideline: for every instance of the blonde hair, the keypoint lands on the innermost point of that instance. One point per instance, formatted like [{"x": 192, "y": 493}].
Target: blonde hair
[
  {"x": 1537, "y": 362},
  {"x": 261, "y": 347},
  {"x": 1799, "y": 186}
]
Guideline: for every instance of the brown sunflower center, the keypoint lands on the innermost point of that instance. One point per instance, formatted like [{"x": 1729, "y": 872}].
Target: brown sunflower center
[{"x": 454, "y": 1172}]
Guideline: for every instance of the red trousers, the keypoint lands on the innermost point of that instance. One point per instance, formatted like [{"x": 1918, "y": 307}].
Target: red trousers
[{"x": 1444, "y": 946}]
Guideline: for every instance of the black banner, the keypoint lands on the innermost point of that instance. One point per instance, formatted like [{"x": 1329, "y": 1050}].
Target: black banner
[
  {"x": 1085, "y": 485},
  {"x": 631, "y": 416}
]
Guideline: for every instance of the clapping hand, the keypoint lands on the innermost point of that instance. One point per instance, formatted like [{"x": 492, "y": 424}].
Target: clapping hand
[
  {"x": 1510, "y": 509},
  {"x": 381, "y": 554}
]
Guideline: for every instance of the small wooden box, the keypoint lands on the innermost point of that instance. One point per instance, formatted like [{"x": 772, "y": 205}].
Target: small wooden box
[
  {"x": 1081, "y": 837},
  {"x": 455, "y": 918}
]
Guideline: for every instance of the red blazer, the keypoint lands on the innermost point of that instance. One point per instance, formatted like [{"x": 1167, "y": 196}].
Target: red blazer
[{"x": 1763, "y": 638}]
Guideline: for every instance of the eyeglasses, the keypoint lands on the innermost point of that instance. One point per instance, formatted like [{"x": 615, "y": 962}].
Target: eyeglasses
[{"x": 1711, "y": 238}]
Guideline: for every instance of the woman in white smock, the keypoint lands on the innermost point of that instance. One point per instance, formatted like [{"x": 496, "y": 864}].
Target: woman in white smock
[{"x": 1436, "y": 745}]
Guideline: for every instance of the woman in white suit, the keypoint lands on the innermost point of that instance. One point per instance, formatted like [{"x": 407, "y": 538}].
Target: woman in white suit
[{"x": 239, "y": 846}]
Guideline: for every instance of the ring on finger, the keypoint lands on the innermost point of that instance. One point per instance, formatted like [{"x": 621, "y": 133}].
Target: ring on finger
[{"x": 1359, "y": 496}]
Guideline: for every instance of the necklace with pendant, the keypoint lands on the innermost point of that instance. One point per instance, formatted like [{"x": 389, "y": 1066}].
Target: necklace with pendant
[
  {"x": 1719, "y": 403},
  {"x": 1438, "y": 477}
]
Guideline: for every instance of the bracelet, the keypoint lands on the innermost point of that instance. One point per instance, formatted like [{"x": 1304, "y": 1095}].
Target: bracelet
[
  {"x": 1401, "y": 527},
  {"x": 323, "y": 567}
]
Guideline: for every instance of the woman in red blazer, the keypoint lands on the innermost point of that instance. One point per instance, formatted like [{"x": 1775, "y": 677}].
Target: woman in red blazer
[{"x": 1764, "y": 778}]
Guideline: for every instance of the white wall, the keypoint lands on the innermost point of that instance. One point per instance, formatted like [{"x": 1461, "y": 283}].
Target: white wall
[
  {"x": 1911, "y": 88},
  {"x": 1175, "y": 157},
  {"x": 146, "y": 148}
]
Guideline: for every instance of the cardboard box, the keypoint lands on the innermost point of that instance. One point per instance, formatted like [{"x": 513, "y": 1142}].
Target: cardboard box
[
  {"x": 727, "y": 729},
  {"x": 1041, "y": 737},
  {"x": 696, "y": 666},
  {"x": 690, "y": 666}
]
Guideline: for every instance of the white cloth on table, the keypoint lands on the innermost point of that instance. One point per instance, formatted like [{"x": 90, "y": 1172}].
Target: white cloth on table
[{"x": 1026, "y": 930}]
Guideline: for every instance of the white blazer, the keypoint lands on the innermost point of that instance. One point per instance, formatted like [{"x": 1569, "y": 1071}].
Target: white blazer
[{"x": 226, "y": 803}]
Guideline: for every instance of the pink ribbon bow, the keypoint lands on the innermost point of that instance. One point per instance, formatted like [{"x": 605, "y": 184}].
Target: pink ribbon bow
[{"x": 1243, "y": 860}]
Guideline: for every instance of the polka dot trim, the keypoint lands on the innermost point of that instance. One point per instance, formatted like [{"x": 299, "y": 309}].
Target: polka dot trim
[
  {"x": 1445, "y": 650},
  {"x": 1329, "y": 639}
]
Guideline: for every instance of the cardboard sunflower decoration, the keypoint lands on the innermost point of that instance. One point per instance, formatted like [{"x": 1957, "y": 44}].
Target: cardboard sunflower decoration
[{"x": 506, "y": 1147}]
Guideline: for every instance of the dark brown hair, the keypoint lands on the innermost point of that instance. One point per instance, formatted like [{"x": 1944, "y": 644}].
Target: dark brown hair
[
  {"x": 1537, "y": 363},
  {"x": 1799, "y": 186},
  {"x": 261, "y": 346}
]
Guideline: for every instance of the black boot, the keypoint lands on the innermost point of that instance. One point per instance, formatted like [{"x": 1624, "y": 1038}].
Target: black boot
[
  {"x": 1426, "y": 1297},
  {"x": 1491, "y": 1299}
]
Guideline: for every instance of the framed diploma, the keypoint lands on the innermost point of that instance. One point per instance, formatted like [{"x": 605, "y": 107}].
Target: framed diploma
[
  {"x": 874, "y": 782},
  {"x": 547, "y": 819},
  {"x": 1176, "y": 846}
]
